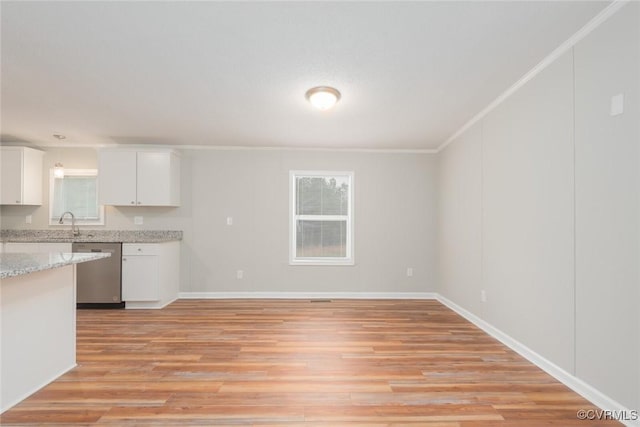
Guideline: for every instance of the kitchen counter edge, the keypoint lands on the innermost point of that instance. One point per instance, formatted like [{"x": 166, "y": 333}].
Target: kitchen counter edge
[
  {"x": 90, "y": 236},
  {"x": 19, "y": 264}
]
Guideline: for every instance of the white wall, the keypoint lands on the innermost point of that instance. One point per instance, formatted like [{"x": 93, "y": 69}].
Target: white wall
[
  {"x": 459, "y": 226},
  {"x": 560, "y": 213},
  {"x": 527, "y": 214},
  {"x": 394, "y": 220},
  {"x": 607, "y": 194}
]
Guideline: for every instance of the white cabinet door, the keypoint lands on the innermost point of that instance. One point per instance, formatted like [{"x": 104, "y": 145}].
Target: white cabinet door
[
  {"x": 154, "y": 178},
  {"x": 20, "y": 176},
  {"x": 35, "y": 247},
  {"x": 140, "y": 278},
  {"x": 55, "y": 247},
  {"x": 14, "y": 247},
  {"x": 32, "y": 177},
  {"x": 11, "y": 177},
  {"x": 117, "y": 177}
]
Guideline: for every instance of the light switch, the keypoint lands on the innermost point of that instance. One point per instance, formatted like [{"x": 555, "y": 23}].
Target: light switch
[
  {"x": 138, "y": 220},
  {"x": 617, "y": 104},
  {"x": 229, "y": 220}
]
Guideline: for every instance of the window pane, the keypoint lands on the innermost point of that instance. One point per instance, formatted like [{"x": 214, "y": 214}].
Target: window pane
[
  {"x": 309, "y": 192},
  {"x": 322, "y": 195},
  {"x": 58, "y": 198},
  {"x": 321, "y": 239},
  {"x": 77, "y": 194}
]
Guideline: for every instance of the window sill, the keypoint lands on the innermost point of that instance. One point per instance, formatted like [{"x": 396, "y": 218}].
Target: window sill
[
  {"x": 78, "y": 223},
  {"x": 349, "y": 263}
]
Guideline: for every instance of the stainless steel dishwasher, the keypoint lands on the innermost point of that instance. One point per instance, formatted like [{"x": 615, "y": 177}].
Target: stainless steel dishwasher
[{"x": 99, "y": 283}]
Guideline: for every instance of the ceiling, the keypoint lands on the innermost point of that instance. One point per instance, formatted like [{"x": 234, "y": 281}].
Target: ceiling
[{"x": 235, "y": 73}]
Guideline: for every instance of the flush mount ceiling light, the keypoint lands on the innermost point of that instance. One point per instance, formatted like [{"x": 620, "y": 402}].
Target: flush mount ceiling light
[{"x": 323, "y": 97}]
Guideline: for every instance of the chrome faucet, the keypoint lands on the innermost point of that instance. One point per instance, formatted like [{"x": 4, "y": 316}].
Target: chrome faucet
[{"x": 74, "y": 228}]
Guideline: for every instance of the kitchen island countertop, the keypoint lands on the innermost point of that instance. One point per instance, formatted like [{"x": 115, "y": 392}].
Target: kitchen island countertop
[{"x": 18, "y": 264}]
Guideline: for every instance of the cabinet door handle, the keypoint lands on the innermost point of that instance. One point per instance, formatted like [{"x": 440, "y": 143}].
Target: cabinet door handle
[
  {"x": 138, "y": 202},
  {"x": 124, "y": 259},
  {"x": 133, "y": 203},
  {"x": 17, "y": 201},
  {"x": 139, "y": 249}
]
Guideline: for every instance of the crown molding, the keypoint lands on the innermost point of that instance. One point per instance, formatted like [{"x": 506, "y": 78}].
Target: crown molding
[
  {"x": 241, "y": 148},
  {"x": 315, "y": 149}
]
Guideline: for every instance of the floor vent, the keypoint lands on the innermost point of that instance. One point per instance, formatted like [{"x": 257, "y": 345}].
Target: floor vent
[{"x": 320, "y": 300}]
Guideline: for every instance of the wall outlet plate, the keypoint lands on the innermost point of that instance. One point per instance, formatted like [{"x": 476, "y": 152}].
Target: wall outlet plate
[
  {"x": 138, "y": 220},
  {"x": 617, "y": 104}
]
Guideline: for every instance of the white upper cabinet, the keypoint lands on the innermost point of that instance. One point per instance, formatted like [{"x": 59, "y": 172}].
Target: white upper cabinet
[
  {"x": 158, "y": 179},
  {"x": 117, "y": 177},
  {"x": 139, "y": 178},
  {"x": 20, "y": 176}
]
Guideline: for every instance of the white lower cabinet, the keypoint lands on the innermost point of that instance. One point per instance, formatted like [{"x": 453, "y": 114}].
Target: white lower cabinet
[
  {"x": 139, "y": 275},
  {"x": 14, "y": 247},
  {"x": 150, "y": 274},
  {"x": 36, "y": 247}
]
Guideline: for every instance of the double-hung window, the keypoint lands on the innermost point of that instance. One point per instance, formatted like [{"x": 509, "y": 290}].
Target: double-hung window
[
  {"x": 321, "y": 221},
  {"x": 76, "y": 192}
]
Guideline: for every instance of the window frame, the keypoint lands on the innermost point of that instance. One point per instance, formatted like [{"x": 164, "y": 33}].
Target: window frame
[
  {"x": 74, "y": 172},
  {"x": 349, "y": 259}
]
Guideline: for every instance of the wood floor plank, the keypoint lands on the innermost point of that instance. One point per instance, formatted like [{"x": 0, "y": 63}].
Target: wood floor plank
[{"x": 296, "y": 363}]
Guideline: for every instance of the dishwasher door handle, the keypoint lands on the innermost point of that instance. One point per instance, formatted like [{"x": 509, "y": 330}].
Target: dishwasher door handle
[{"x": 106, "y": 251}]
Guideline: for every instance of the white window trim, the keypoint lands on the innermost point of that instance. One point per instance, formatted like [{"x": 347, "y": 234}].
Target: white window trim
[
  {"x": 325, "y": 261},
  {"x": 73, "y": 172}
]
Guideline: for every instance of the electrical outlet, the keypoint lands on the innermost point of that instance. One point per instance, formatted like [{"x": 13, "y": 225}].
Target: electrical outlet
[
  {"x": 483, "y": 295},
  {"x": 229, "y": 220},
  {"x": 138, "y": 220},
  {"x": 409, "y": 272},
  {"x": 28, "y": 219},
  {"x": 239, "y": 274},
  {"x": 617, "y": 104}
]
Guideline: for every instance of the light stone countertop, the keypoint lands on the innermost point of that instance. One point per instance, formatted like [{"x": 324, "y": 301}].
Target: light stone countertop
[
  {"x": 17, "y": 264},
  {"x": 104, "y": 236}
]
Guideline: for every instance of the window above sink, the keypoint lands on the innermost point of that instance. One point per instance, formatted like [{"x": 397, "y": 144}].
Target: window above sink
[{"x": 76, "y": 192}]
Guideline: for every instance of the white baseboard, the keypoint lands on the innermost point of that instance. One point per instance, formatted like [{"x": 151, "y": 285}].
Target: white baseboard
[
  {"x": 308, "y": 295},
  {"x": 582, "y": 388},
  {"x": 147, "y": 305}
]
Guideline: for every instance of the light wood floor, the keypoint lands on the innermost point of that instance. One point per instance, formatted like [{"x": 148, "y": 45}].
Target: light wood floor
[{"x": 288, "y": 363}]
